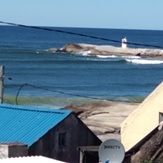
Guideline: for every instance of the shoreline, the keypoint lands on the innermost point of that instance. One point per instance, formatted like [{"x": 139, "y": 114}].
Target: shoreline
[
  {"x": 107, "y": 50},
  {"x": 61, "y": 102}
]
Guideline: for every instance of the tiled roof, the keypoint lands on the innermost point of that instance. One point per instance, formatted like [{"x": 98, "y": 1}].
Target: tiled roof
[{"x": 27, "y": 124}]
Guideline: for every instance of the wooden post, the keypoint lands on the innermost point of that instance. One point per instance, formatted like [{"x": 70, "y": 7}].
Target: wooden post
[
  {"x": 1, "y": 83},
  {"x": 81, "y": 157}
]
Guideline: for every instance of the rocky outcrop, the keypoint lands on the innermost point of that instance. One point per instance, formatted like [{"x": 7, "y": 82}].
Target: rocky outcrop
[
  {"x": 109, "y": 50},
  {"x": 104, "y": 118},
  {"x": 55, "y": 50},
  {"x": 71, "y": 48}
]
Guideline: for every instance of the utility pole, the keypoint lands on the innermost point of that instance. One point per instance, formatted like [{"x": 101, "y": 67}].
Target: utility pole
[{"x": 1, "y": 83}]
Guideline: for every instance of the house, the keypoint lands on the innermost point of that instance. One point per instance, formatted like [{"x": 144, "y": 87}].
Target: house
[
  {"x": 51, "y": 133},
  {"x": 149, "y": 149},
  {"x": 143, "y": 120}
]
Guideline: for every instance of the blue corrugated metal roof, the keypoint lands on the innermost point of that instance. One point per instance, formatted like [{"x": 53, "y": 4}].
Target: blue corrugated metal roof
[{"x": 27, "y": 124}]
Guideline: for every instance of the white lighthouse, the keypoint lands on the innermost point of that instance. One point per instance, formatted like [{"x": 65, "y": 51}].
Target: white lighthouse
[{"x": 124, "y": 42}]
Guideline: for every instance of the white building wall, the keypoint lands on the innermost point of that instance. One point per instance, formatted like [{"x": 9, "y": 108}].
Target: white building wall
[{"x": 142, "y": 120}]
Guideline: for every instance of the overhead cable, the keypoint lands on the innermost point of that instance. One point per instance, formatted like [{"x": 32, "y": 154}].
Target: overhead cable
[
  {"x": 78, "y": 34},
  {"x": 46, "y": 89}
]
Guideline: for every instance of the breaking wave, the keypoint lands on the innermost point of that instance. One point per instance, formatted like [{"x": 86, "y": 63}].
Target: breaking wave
[
  {"x": 114, "y": 58},
  {"x": 53, "y": 102},
  {"x": 144, "y": 61},
  {"x": 106, "y": 56},
  {"x": 83, "y": 53}
]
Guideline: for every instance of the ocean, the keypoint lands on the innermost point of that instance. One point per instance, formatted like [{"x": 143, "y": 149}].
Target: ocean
[{"x": 34, "y": 76}]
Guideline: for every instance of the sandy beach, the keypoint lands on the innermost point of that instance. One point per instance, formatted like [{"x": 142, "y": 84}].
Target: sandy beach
[{"x": 104, "y": 118}]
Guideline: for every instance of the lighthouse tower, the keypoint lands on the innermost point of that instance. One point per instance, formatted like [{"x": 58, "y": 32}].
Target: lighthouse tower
[{"x": 124, "y": 43}]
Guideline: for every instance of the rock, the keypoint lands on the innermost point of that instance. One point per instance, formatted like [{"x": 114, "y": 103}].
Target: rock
[
  {"x": 104, "y": 118},
  {"x": 73, "y": 48},
  {"x": 110, "y": 50},
  {"x": 55, "y": 50}
]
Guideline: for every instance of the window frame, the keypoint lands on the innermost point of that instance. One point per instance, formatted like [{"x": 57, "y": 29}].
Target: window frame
[{"x": 62, "y": 139}]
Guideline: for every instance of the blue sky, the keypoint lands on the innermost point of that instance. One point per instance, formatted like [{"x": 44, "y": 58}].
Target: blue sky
[{"x": 121, "y": 14}]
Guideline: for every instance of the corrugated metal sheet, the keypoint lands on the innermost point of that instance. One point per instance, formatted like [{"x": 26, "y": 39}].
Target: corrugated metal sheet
[
  {"x": 27, "y": 124},
  {"x": 28, "y": 159}
]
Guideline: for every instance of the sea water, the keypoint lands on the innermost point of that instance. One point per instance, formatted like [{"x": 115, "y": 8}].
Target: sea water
[{"x": 36, "y": 76}]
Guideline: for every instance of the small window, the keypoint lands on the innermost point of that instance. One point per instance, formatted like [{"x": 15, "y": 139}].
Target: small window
[
  {"x": 62, "y": 139},
  {"x": 160, "y": 117}
]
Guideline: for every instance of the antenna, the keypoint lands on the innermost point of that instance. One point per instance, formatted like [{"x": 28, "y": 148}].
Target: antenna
[{"x": 111, "y": 151}]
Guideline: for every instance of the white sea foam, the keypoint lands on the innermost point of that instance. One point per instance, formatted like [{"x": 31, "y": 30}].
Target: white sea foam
[
  {"x": 83, "y": 53},
  {"x": 144, "y": 61},
  {"x": 106, "y": 56},
  {"x": 86, "y": 53},
  {"x": 131, "y": 57}
]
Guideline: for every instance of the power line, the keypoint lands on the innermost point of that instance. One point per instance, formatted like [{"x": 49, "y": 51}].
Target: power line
[
  {"x": 71, "y": 33},
  {"x": 55, "y": 91},
  {"x": 79, "y": 34}
]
